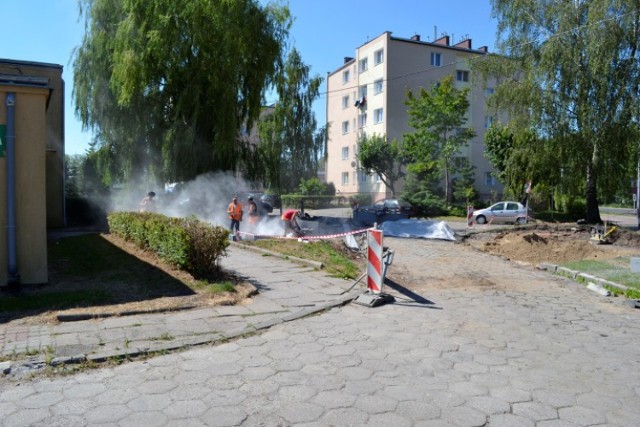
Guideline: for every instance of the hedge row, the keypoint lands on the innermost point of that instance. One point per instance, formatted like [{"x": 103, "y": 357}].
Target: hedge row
[
  {"x": 187, "y": 243},
  {"x": 314, "y": 202}
]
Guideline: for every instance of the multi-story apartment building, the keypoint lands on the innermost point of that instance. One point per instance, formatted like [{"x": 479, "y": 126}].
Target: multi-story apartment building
[{"x": 367, "y": 94}]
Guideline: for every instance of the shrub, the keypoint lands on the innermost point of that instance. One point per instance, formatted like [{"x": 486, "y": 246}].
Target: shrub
[
  {"x": 207, "y": 244},
  {"x": 571, "y": 205},
  {"x": 187, "y": 243},
  {"x": 314, "y": 202}
]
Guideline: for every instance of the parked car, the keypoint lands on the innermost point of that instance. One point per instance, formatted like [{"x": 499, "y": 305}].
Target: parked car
[
  {"x": 502, "y": 212},
  {"x": 384, "y": 210},
  {"x": 272, "y": 200},
  {"x": 395, "y": 206}
]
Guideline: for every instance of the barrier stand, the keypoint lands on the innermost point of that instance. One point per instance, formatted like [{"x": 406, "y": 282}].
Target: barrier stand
[
  {"x": 469, "y": 216},
  {"x": 378, "y": 259}
]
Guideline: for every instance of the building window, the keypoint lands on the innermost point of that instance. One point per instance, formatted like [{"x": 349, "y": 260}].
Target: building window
[
  {"x": 378, "y": 57},
  {"x": 345, "y": 76},
  {"x": 375, "y": 178},
  {"x": 345, "y": 178},
  {"x": 362, "y": 91},
  {"x": 488, "y": 121},
  {"x": 345, "y": 127},
  {"x": 378, "y": 85},
  {"x": 345, "y": 102},
  {"x": 462, "y": 76},
  {"x": 363, "y": 65},
  {"x": 345, "y": 153},
  {"x": 489, "y": 179},
  {"x": 436, "y": 59},
  {"x": 378, "y": 114},
  {"x": 362, "y": 120},
  {"x": 362, "y": 177}
]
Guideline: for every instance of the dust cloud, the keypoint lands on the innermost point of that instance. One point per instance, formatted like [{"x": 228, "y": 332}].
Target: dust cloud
[{"x": 207, "y": 198}]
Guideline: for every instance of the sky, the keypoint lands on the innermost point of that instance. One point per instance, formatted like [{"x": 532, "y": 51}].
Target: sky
[{"x": 324, "y": 32}]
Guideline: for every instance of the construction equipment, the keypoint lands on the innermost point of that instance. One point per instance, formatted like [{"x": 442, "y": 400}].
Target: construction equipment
[{"x": 600, "y": 235}]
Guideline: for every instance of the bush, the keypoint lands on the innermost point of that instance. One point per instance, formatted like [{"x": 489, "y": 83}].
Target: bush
[
  {"x": 187, "y": 243},
  {"x": 314, "y": 202},
  {"x": 457, "y": 210},
  {"x": 576, "y": 207},
  {"x": 315, "y": 187},
  {"x": 427, "y": 203}
]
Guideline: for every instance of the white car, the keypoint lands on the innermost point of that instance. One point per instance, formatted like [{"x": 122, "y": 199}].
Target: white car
[{"x": 502, "y": 212}]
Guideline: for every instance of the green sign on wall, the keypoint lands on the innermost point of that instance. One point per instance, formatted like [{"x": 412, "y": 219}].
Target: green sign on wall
[{"x": 3, "y": 139}]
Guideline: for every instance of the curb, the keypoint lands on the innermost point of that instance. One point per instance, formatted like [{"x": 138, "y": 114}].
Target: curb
[
  {"x": 574, "y": 274},
  {"x": 178, "y": 343},
  {"x": 88, "y": 316}
]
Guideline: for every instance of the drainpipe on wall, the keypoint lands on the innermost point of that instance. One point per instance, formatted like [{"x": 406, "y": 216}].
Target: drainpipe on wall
[{"x": 12, "y": 265}]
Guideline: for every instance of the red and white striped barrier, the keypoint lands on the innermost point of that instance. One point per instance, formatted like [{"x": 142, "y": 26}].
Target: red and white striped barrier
[
  {"x": 374, "y": 261},
  {"x": 469, "y": 216}
]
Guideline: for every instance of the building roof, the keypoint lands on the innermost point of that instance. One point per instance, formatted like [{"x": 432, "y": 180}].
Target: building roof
[
  {"x": 33, "y": 64},
  {"x": 442, "y": 42}
]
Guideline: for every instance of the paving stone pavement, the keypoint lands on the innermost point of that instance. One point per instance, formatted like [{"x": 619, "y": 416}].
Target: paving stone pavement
[
  {"x": 280, "y": 299},
  {"x": 549, "y": 355}
]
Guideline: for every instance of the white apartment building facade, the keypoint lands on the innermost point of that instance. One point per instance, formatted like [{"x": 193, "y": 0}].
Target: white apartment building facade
[{"x": 366, "y": 95}]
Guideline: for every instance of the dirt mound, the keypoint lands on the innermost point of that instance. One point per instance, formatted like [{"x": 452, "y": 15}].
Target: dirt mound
[
  {"x": 556, "y": 245},
  {"x": 625, "y": 238}
]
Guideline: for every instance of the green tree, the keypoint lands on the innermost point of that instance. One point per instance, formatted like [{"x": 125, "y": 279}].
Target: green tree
[
  {"x": 387, "y": 159},
  {"x": 463, "y": 185},
  {"x": 570, "y": 70},
  {"x": 73, "y": 174},
  {"x": 290, "y": 146},
  {"x": 315, "y": 187},
  {"x": 167, "y": 84},
  {"x": 519, "y": 156},
  {"x": 438, "y": 117}
]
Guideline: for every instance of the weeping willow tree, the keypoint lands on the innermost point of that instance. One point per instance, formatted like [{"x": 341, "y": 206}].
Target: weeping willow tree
[
  {"x": 166, "y": 85},
  {"x": 568, "y": 72},
  {"x": 291, "y": 146}
]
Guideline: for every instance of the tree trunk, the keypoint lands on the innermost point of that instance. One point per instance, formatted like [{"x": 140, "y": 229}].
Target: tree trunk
[
  {"x": 593, "y": 213},
  {"x": 447, "y": 199}
]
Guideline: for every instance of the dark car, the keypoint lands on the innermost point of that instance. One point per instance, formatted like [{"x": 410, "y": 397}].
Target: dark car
[
  {"x": 272, "y": 200},
  {"x": 395, "y": 206},
  {"x": 384, "y": 210}
]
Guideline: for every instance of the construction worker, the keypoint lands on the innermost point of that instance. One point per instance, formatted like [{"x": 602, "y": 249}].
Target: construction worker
[
  {"x": 235, "y": 215},
  {"x": 253, "y": 212},
  {"x": 148, "y": 204},
  {"x": 289, "y": 222}
]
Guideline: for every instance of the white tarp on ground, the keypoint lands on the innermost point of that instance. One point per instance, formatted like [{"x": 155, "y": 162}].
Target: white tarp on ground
[{"x": 417, "y": 228}]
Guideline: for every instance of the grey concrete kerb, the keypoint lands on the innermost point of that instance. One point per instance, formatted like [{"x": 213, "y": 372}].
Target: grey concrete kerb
[
  {"x": 576, "y": 275},
  {"x": 182, "y": 343}
]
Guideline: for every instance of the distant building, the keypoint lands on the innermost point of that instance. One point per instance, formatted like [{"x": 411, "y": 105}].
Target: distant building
[
  {"x": 32, "y": 146},
  {"x": 366, "y": 95}
]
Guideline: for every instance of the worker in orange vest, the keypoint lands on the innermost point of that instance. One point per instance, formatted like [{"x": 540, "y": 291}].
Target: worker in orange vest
[{"x": 235, "y": 214}]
